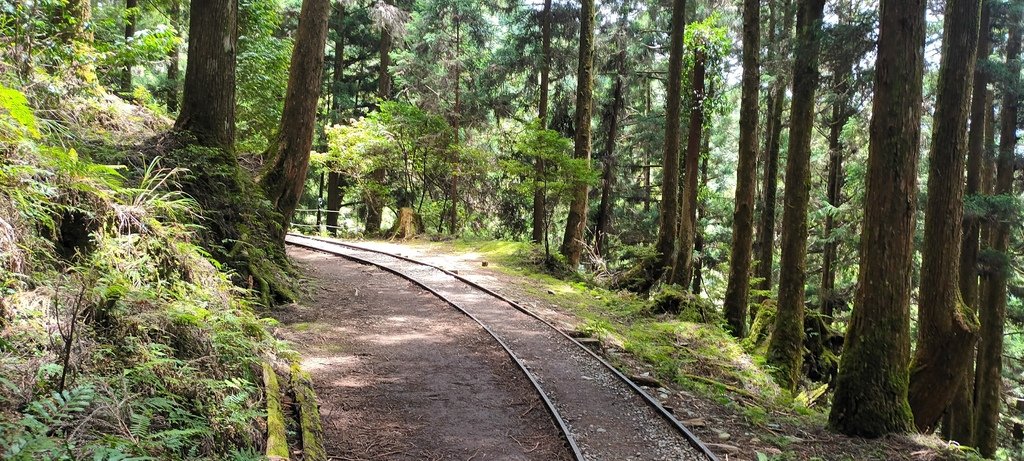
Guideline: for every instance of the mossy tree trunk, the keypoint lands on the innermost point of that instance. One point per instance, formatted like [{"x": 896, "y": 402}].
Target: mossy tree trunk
[
  {"x": 958, "y": 424},
  {"x": 539, "y": 207},
  {"x": 993, "y": 302},
  {"x": 682, "y": 270},
  {"x": 737, "y": 290},
  {"x": 572, "y": 242},
  {"x": 871, "y": 388},
  {"x": 764, "y": 245},
  {"x": 669, "y": 209},
  {"x": 946, "y": 328},
  {"x": 785, "y": 349},
  {"x": 287, "y": 163},
  {"x": 238, "y": 226}
]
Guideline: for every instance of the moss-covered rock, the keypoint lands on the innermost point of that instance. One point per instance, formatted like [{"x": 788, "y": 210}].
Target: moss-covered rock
[{"x": 677, "y": 301}]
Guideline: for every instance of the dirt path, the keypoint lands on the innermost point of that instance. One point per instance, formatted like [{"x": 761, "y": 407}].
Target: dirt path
[
  {"x": 607, "y": 419},
  {"x": 401, "y": 375}
]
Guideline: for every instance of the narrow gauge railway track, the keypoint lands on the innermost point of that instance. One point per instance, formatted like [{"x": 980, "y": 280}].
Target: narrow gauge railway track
[{"x": 602, "y": 414}]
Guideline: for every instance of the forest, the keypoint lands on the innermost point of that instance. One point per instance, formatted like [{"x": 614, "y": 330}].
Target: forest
[{"x": 806, "y": 212}]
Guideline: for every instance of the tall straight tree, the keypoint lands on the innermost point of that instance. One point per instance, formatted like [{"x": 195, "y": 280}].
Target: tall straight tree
[
  {"x": 669, "y": 210},
  {"x": 390, "y": 21},
  {"x": 288, "y": 161},
  {"x": 993, "y": 302},
  {"x": 131, "y": 14},
  {"x": 946, "y": 327},
  {"x": 539, "y": 206},
  {"x": 334, "y": 178},
  {"x": 778, "y": 52},
  {"x": 572, "y": 243},
  {"x": 738, "y": 289},
  {"x": 682, "y": 269},
  {"x": 785, "y": 349},
  {"x": 958, "y": 424},
  {"x": 871, "y": 388},
  {"x": 840, "y": 115},
  {"x": 173, "y": 60},
  {"x": 208, "y": 103}
]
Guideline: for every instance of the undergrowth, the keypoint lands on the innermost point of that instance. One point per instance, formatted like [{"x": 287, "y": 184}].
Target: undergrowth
[{"x": 120, "y": 336}]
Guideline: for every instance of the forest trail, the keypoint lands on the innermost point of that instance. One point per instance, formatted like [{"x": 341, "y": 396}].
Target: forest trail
[
  {"x": 401, "y": 375},
  {"x": 604, "y": 416}
]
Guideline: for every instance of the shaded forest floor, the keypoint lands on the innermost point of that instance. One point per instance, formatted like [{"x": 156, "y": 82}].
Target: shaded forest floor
[{"x": 713, "y": 385}]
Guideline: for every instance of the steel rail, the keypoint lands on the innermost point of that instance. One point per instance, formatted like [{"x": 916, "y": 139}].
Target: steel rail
[
  {"x": 562, "y": 426},
  {"x": 693, "y": 440}
]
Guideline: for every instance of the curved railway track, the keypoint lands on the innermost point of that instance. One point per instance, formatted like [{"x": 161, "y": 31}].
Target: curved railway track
[{"x": 602, "y": 414}]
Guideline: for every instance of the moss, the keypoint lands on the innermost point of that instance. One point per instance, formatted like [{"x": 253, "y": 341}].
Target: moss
[
  {"x": 277, "y": 441},
  {"x": 761, "y": 328},
  {"x": 309, "y": 416},
  {"x": 677, "y": 301}
]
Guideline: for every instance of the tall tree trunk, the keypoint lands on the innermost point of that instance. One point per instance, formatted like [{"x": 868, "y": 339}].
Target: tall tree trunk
[
  {"x": 453, "y": 186},
  {"x": 993, "y": 304},
  {"x": 334, "y": 180},
  {"x": 699, "y": 242},
  {"x": 75, "y": 18},
  {"x": 840, "y": 115},
  {"x": 737, "y": 290},
  {"x": 131, "y": 15},
  {"x": 208, "y": 105},
  {"x": 374, "y": 201},
  {"x": 946, "y": 328},
  {"x": 604, "y": 213},
  {"x": 173, "y": 60},
  {"x": 539, "y": 224},
  {"x": 682, "y": 270},
  {"x": 572, "y": 242},
  {"x": 765, "y": 242},
  {"x": 871, "y": 388},
  {"x": 958, "y": 424},
  {"x": 785, "y": 349},
  {"x": 285, "y": 177},
  {"x": 669, "y": 209}
]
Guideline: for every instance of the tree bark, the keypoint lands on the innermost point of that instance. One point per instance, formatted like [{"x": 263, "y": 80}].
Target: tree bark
[
  {"x": 946, "y": 328},
  {"x": 669, "y": 209},
  {"x": 737, "y": 291},
  {"x": 572, "y": 243},
  {"x": 959, "y": 422},
  {"x": 993, "y": 304},
  {"x": 208, "y": 105},
  {"x": 539, "y": 224},
  {"x": 130, "y": 17},
  {"x": 682, "y": 270},
  {"x": 785, "y": 349},
  {"x": 765, "y": 242},
  {"x": 871, "y": 387},
  {"x": 173, "y": 60},
  {"x": 285, "y": 177},
  {"x": 604, "y": 213}
]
